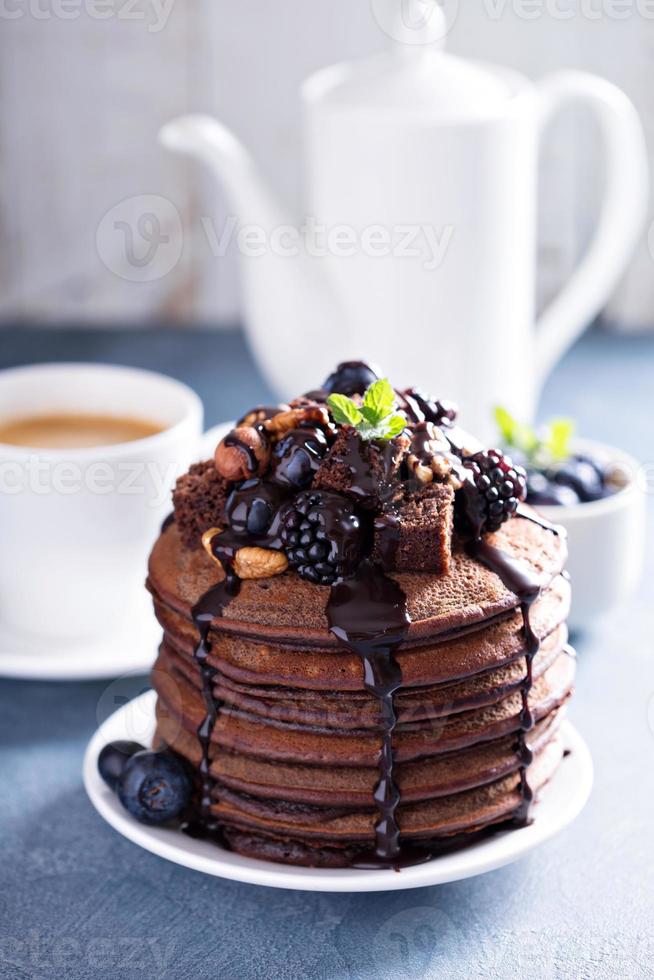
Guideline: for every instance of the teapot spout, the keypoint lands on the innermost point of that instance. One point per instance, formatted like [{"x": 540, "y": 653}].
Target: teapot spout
[
  {"x": 208, "y": 140},
  {"x": 286, "y": 297}
]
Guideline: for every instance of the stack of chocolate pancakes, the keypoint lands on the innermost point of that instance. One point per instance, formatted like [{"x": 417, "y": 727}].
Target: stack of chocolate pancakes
[{"x": 372, "y": 721}]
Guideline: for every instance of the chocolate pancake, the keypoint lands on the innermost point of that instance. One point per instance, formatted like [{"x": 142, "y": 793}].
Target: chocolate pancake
[
  {"x": 291, "y": 610},
  {"x": 289, "y": 765},
  {"x": 365, "y": 656}
]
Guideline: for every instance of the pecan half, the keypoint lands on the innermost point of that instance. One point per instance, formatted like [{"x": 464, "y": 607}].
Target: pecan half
[{"x": 252, "y": 563}]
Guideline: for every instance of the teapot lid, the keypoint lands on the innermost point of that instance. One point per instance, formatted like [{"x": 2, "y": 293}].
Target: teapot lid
[{"x": 415, "y": 77}]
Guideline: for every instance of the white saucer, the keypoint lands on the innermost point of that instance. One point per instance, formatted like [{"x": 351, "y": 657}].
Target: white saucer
[
  {"x": 563, "y": 800},
  {"x": 132, "y": 649}
]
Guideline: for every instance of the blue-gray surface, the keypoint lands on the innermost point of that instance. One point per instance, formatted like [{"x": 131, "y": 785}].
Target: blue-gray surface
[{"x": 78, "y": 901}]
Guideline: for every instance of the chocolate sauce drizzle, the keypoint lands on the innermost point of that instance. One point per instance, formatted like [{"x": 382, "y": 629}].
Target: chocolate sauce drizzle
[
  {"x": 167, "y": 521},
  {"x": 387, "y": 534},
  {"x": 527, "y": 587},
  {"x": 211, "y": 605},
  {"x": 372, "y": 469},
  {"x": 367, "y": 613},
  {"x": 539, "y": 521},
  {"x": 421, "y": 408}
]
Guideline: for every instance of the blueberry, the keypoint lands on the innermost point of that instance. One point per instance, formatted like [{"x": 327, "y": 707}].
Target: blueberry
[
  {"x": 154, "y": 786},
  {"x": 542, "y": 491},
  {"x": 112, "y": 760},
  {"x": 259, "y": 518},
  {"x": 252, "y": 506},
  {"x": 350, "y": 378},
  {"x": 298, "y": 471},
  {"x": 598, "y": 467},
  {"x": 297, "y": 456},
  {"x": 582, "y": 476}
]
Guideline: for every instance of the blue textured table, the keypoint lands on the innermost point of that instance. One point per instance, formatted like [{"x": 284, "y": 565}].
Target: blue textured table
[{"x": 77, "y": 900}]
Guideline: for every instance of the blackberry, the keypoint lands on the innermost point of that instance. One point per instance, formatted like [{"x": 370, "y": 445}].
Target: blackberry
[
  {"x": 321, "y": 534},
  {"x": 424, "y": 408},
  {"x": 492, "y": 493}
]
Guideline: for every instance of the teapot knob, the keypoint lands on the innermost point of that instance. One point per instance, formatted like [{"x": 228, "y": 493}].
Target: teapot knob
[{"x": 418, "y": 25}]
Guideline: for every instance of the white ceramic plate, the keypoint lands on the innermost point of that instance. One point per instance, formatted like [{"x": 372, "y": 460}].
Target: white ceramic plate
[
  {"x": 132, "y": 649},
  {"x": 563, "y": 800}
]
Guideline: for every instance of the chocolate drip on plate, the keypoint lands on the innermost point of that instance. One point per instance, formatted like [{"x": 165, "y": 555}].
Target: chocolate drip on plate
[
  {"x": 527, "y": 587},
  {"x": 368, "y": 615}
]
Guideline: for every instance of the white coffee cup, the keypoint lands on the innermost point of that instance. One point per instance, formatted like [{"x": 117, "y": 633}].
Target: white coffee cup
[{"x": 77, "y": 524}]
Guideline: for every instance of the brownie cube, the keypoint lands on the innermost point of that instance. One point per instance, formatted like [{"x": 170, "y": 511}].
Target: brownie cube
[
  {"x": 416, "y": 535},
  {"x": 199, "y": 501},
  {"x": 367, "y": 472}
]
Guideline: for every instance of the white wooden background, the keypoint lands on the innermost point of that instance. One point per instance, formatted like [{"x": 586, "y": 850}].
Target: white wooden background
[{"x": 81, "y": 100}]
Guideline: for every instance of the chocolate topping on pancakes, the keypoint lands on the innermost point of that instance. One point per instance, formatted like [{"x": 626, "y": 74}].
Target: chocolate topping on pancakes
[{"x": 389, "y": 679}]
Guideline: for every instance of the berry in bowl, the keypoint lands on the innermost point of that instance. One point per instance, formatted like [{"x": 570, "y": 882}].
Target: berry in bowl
[{"x": 592, "y": 490}]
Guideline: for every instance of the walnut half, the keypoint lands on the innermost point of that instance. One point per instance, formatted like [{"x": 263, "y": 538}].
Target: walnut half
[{"x": 283, "y": 422}]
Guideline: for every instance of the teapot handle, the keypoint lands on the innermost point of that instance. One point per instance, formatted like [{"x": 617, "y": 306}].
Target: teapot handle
[{"x": 621, "y": 216}]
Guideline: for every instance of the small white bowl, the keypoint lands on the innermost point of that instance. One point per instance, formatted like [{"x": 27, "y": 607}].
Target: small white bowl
[{"x": 606, "y": 538}]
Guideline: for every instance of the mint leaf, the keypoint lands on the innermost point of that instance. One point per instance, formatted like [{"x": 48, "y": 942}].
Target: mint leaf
[
  {"x": 388, "y": 428},
  {"x": 505, "y": 423},
  {"x": 394, "y": 425},
  {"x": 376, "y": 418},
  {"x": 541, "y": 452},
  {"x": 558, "y": 438},
  {"x": 515, "y": 433},
  {"x": 344, "y": 410},
  {"x": 370, "y": 415},
  {"x": 378, "y": 401}
]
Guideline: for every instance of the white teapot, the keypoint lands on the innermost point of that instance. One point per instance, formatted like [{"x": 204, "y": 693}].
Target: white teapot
[{"x": 417, "y": 250}]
